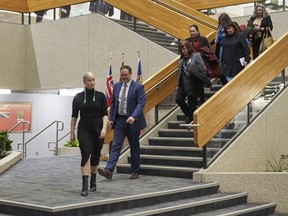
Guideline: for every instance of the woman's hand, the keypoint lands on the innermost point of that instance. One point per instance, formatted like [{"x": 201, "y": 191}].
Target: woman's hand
[
  {"x": 72, "y": 137},
  {"x": 103, "y": 133}
]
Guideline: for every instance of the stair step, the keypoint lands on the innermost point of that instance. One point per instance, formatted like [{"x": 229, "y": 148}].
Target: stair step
[
  {"x": 170, "y": 160},
  {"x": 169, "y": 171},
  {"x": 188, "y": 206},
  {"x": 172, "y": 150},
  {"x": 177, "y": 151},
  {"x": 225, "y": 133},
  {"x": 184, "y": 141},
  {"x": 244, "y": 209},
  {"x": 236, "y": 125}
]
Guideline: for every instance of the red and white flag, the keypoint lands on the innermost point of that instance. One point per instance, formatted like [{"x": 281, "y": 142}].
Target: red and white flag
[{"x": 109, "y": 85}]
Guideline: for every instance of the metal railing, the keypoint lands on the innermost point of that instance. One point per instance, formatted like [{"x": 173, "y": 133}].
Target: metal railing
[
  {"x": 56, "y": 143},
  {"x": 24, "y": 130},
  {"x": 24, "y": 144},
  {"x": 249, "y": 120}
]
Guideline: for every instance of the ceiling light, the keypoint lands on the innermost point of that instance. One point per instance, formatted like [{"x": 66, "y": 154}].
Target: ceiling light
[{"x": 5, "y": 91}]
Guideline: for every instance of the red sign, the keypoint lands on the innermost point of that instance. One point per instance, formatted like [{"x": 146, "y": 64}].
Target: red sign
[{"x": 13, "y": 113}]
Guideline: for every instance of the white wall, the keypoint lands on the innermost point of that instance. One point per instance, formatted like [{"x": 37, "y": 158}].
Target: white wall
[{"x": 46, "y": 108}]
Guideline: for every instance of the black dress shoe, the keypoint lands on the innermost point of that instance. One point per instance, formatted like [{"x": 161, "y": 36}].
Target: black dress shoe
[
  {"x": 134, "y": 176},
  {"x": 105, "y": 172}
]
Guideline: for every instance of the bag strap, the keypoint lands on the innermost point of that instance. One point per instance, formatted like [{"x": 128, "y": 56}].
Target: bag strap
[{"x": 268, "y": 32}]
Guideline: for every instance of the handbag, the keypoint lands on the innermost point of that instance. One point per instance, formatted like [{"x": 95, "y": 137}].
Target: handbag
[{"x": 267, "y": 40}]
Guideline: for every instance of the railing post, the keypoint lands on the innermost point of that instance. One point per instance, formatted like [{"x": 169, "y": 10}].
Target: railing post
[
  {"x": 24, "y": 149},
  {"x": 135, "y": 24},
  {"x": 156, "y": 114},
  {"x": 204, "y": 152},
  {"x": 248, "y": 113},
  {"x": 22, "y": 18},
  {"x": 283, "y": 78},
  {"x": 29, "y": 18},
  {"x": 54, "y": 13},
  {"x": 57, "y": 127}
]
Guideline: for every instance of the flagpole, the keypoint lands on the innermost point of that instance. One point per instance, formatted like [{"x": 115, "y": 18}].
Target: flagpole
[{"x": 139, "y": 72}]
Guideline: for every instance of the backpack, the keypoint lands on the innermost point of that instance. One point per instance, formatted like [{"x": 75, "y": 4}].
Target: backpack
[{"x": 211, "y": 62}]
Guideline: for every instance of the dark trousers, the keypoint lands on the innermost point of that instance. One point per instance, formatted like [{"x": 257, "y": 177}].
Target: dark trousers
[
  {"x": 188, "y": 108},
  {"x": 256, "y": 47},
  {"x": 125, "y": 16},
  {"x": 121, "y": 130}
]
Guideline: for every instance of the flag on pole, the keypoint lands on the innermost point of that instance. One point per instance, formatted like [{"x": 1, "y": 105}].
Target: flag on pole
[
  {"x": 109, "y": 84},
  {"x": 139, "y": 71},
  {"x": 122, "y": 64}
]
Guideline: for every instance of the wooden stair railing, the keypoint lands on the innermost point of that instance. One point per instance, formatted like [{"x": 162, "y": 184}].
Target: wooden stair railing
[
  {"x": 218, "y": 110},
  {"x": 161, "y": 17},
  {"x": 204, "y": 4}
]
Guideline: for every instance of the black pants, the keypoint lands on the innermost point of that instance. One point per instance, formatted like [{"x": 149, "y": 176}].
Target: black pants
[
  {"x": 188, "y": 108},
  {"x": 90, "y": 145},
  {"x": 256, "y": 47}
]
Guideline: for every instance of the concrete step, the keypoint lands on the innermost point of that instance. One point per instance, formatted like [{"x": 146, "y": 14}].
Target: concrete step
[
  {"x": 157, "y": 170},
  {"x": 189, "y": 206},
  {"x": 165, "y": 160},
  {"x": 184, "y": 141}
]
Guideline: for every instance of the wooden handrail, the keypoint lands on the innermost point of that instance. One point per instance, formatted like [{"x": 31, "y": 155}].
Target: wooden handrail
[
  {"x": 189, "y": 12},
  {"x": 216, "y": 112},
  {"x": 161, "y": 17},
  {"x": 204, "y": 4},
  {"x": 25, "y": 6}
]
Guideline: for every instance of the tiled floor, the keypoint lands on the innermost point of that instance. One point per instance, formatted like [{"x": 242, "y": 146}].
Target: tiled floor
[{"x": 54, "y": 182}]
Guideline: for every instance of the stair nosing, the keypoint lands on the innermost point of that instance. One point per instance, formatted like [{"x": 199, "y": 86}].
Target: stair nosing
[
  {"x": 187, "y": 205},
  {"x": 154, "y": 167},
  {"x": 250, "y": 209},
  {"x": 171, "y": 148},
  {"x": 180, "y": 158}
]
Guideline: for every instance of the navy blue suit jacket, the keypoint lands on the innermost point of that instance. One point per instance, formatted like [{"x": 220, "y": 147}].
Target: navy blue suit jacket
[{"x": 135, "y": 104}]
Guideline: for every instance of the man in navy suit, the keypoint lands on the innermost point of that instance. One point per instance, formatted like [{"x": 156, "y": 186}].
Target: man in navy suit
[{"x": 127, "y": 119}]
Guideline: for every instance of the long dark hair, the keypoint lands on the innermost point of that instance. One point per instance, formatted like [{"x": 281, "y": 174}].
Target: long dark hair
[
  {"x": 225, "y": 18},
  {"x": 234, "y": 26}
]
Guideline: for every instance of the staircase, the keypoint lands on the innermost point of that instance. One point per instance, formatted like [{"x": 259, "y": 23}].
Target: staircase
[
  {"x": 152, "y": 34},
  {"x": 173, "y": 154},
  {"x": 200, "y": 199}
]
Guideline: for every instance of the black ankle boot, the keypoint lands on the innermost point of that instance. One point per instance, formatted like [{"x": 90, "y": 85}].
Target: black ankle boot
[
  {"x": 93, "y": 186},
  {"x": 84, "y": 191}
]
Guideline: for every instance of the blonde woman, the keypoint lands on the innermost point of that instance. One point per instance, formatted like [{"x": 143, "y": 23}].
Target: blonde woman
[{"x": 260, "y": 22}]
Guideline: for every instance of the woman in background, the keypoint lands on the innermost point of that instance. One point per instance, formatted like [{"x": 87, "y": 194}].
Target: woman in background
[
  {"x": 223, "y": 19},
  {"x": 260, "y": 22},
  {"x": 91, "y": 129},
  {"x": 236, "y": 51},
  {"x": 192, "y": 77},
  {"x": 197, "y": 42}
]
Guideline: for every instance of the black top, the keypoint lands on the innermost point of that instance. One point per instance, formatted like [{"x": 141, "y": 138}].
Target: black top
[
  {"x": 234, "y": 48},
  {"x": 92, "y": 108},
  {"x": 265, "y": 23}
]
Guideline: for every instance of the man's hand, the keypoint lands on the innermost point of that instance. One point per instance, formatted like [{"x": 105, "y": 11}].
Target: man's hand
[{"x": 130, "y": 120}]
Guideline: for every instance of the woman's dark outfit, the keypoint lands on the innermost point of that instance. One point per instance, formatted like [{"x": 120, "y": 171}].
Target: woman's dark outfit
[
  {"x": 92, "y": 106},
  {"x": 234, "y": 47},
  {"x": 197, "y": 44},
  {"x": 265, "y": 23},
  {"x": 191, "y": 80}
]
